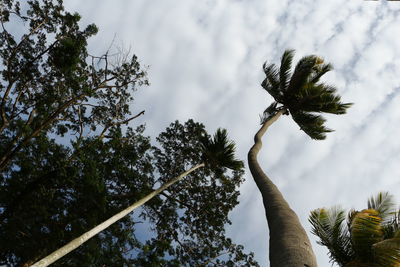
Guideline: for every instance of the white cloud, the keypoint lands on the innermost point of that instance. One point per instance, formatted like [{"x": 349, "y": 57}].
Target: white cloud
[{"x": 205, "y": 62}]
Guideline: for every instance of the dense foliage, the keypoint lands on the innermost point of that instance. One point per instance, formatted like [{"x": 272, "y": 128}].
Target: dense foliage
[
  {"x": 52, "y": 199},
  {"x": 50, "y": 84},
  {"x": 206, "y": 195},
  {"x": 371, "y": 237},
  {"x": 67, "y": 163}
]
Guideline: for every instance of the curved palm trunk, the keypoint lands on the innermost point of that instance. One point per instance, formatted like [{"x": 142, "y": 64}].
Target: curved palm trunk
[
  {"x": 289, "y": 245},
  {"x": 89, "y": 234}
]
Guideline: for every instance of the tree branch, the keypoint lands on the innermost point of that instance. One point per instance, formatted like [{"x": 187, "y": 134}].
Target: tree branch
[
  {"x": 102, "y": 134},
  {"x": 5, "y": 159},
  {"x": 25, "y": 37}
]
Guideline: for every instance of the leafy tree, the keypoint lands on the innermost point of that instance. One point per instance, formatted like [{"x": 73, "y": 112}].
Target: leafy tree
[
  {"x": 371, "y": 237},
  {"x": 187, "y": 219},
  {"x": 50, "y": 199},
  {"x": 49, "y": 82},
  {"x": 218, "y": 153},
  {"x": 67, "y": 164},
  {"x": 302, "y": 95},
  {"x": 195, "y": 210}
]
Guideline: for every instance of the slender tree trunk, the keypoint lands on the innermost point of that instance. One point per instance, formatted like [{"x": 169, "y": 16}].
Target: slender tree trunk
[
  {"x": 86, "y": 236},
  {"x": 289, "y": 245}
]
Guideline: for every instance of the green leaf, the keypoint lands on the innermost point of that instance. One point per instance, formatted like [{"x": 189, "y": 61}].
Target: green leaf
[
  {"x": 329, "y": 226},
  {"x": 303, "y": 70},
  {"x": 219, "y": 152},
  {"x": 312, "y": 125},
  {"x": 383, "y": 203},
  {"x": 387, "y": 253},
  {"x": 302, "y": 94},
  {"x": 285, "y": 69},
  {"x": 271, "y": 83},
  {"x": 366, "y": 230}
]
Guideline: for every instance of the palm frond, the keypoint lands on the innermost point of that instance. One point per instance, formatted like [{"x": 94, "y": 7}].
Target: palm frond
[
  {"x": 271, "y": 83},
  {"x": 312, "y": 125},
  {"x": 391, "y": 227},
  {"x": 366, "y": 230},
  {"x": 285, "y": 69},
  {"x": 268, "y": 112},
  {"x": 319, "y": 71},
  {"x": 387, "y": 253},
  {"x": 350, "y": 216},
  {"x": 383, "y": 203},
  {"x": 219, "y": 152},
  {"x": 302, "y": 94},
  {"x": 370, "y": 242},
  {"x": 329, "y": 227},
  {"x": 301, "y": 74},
  {"x": 321, "y": 98}
]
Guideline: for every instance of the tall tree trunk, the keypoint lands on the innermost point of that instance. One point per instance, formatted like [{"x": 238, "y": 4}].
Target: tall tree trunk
[
  {"x": 89, "y": 234},
  {"x": 289, "y": 245}
]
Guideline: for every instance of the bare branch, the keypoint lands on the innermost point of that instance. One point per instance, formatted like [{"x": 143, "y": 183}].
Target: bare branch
[
  {"x": 80, "y": 123},
  {"x": 106, "y": 67},
  {"x": 4, "y": 118},
  {"x": 132, "y": 118},
  {"x": 30, "y": 118},
  {"x": 15, "y": 103},
  {"x": 211, "y": 260}
]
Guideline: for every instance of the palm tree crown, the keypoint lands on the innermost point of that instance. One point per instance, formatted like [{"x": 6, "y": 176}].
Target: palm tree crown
[
  {"x": 302, "y": 94},
  {"x": 219, "y": 151},
  {"x": 371, "y": 237}
]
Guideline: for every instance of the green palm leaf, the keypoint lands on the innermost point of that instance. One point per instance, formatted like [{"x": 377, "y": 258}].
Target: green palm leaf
[
  {"x": 285, "y": 69},
  {"x": 302, "y": 72},
  {"x": 320, "y": 71},
  {"x": 391, "y": 228},
  {"x": 368, "y": 239},
  {"x": 383, "y": 203},
  {"x": 366, "y": 230},
  {"x": 321, "y": 98},
  {"x": 219, "y": 152},
  {"x": 268, "y": 112},
  {"x": 312, "y": 125},
  {"x": 329, "y": 227},
  {"x": 387, "y": 253},
  {"x": 301, "y": 93},
  {"x": 271, "y": 83}
]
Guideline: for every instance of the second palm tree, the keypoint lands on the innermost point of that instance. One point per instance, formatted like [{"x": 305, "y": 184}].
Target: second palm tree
[{"x": 303, "y": 96}]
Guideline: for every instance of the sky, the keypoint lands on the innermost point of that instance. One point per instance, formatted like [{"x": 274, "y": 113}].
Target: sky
[{"x": 204, "y": 61}]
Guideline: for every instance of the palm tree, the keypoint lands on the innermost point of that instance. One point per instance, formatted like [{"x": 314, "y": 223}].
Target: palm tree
[
  {"x": 303, "y": 96},
  {"x": 218, "y": 153},
  {"x": 370, "y": 237}
]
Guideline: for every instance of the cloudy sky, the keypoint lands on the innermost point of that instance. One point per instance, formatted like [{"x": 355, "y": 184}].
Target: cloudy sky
[{"x": 204, "y": 62}]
